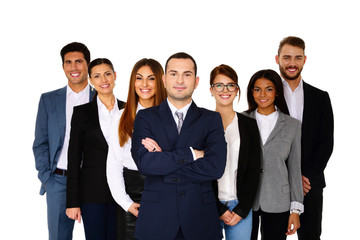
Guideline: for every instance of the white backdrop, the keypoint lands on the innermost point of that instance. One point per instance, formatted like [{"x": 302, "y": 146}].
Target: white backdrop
[{"x": 242, "y": 35}]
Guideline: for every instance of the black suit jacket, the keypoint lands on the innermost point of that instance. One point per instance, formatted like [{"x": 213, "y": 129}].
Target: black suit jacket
[
  {"x": 317, "y": 138},
  {"x": 87, "y": 154},
  {"x": 248, "y": 167}
]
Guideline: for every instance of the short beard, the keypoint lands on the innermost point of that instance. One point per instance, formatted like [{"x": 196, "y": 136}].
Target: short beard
[{"x": 287, "y": 77}]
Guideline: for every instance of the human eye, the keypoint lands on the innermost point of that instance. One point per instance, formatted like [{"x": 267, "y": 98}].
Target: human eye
[
  {"x": 270, "y": 89},
  {"x": 79, "y": 61},
  {"x": 96, "y": 76},
  {"x": 151, "y": 78},
  {"x": 67, "y": 62},
  {"x": 108, "y": 73}
]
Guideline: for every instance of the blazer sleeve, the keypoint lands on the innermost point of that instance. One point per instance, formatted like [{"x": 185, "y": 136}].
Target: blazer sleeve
[
  {"x": 247, "y": 188},
  {"x": 155, "y": 163},
  {"x": 41, "y": 143},
  {"x": 322, "y": 151},
  {"x": 212, "y": 165},
  {"x": 294, "y": 167},
  {"x": 75, "y": 153}
]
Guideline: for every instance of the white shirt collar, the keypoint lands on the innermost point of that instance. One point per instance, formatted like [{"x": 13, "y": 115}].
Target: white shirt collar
[
  {"x": 184, "y": 109},
  {"x": 69, "y": 91},
  {"x": 287, "y": 86},
  {"x": 102, "y": 106}
]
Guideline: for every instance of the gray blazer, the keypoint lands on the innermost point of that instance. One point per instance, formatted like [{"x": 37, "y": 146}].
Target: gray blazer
[{"x": 280, "y": 178}]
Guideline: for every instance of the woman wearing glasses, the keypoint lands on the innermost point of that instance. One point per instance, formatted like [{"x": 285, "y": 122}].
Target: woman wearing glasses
[{"x": 237, "y": 187}]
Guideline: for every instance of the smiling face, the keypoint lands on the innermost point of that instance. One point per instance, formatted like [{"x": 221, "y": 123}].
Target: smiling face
[
  {"x": 145, "y": 86},
  {"x": 264, "y": 93},
  {"x": 224, "y": 97},
  {"x": 291, "y": 62},
  {"x": 180, "y": 81},
  {"x": 103, "y": 79},
  {"x": 76, "y": 70}
]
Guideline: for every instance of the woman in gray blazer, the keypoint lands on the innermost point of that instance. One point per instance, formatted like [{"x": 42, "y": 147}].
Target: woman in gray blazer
[{"x": 279, "y": 199}]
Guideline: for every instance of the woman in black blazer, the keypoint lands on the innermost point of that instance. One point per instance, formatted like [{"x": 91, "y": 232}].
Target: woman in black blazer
[
  {"x": 88, "y": 194},
  {"x": 236, "y": 189}
]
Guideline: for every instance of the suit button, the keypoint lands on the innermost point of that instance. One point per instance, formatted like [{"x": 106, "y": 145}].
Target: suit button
[{"x": 262, "y": 170}]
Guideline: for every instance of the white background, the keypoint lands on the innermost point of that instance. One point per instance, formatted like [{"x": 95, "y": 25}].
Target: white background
[{"x": 242, "y": 34}]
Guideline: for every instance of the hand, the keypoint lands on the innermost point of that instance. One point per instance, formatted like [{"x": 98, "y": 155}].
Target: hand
[
  {"x": 306, "y": 185},
  {"x": 151, "y": 145},
  {"x": 199, "y": 154},
  {"x": 235, "y": 219},
  {"x": 226, "y": 217},
  {"x": 134, "y": 209},
  {"x": 294, "y": 221},
  {"x": 74, "y": 213}
]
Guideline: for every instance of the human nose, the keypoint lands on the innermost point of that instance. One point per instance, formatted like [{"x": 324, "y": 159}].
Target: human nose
[
  {"x": 180, "y": 79},
  {"x": 145, "y": 83}
]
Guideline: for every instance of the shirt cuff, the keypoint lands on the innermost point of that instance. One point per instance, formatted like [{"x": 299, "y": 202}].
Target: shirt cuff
[
  {"x": 297, "y": 205},
  {"x": 193, "y": 153}
]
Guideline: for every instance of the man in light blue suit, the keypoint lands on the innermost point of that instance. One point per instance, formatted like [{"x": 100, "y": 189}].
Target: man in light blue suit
[
  {"x": 52, "y": 133},
  {"x": 181, "y": 149}
]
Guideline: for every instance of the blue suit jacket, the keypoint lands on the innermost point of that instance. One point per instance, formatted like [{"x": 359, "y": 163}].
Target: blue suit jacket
[
  {"x": 50, "y": 132},
  {"x": 178, "y": 191}
]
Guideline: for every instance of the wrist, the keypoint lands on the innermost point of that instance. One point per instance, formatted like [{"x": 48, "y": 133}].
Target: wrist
[{"x": 297, "y": 211}]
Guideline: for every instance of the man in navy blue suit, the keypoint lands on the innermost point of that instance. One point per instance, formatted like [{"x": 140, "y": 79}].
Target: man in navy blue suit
[
  {"x": 52, "y": 133},
  {"x": 180, "y": 148}
]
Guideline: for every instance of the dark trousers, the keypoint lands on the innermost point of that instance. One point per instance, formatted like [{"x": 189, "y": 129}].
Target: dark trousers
[
  {"x": 273, "y": 225},
  {"x": 134, "y": 186},
  {"x": 99, "y": 221},
  {"x": 311, "y": 219}
]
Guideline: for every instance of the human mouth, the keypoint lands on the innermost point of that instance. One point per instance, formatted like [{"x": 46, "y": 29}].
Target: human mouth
[
  {"x": 292, "y": 69},
  {"x": 105, "y": 85},
  {"x": 75, "y": 74},
  {"x": 225, "y": 96},
  {"x": 179, "y": 88},
  {"x": 145, "y": 90}
]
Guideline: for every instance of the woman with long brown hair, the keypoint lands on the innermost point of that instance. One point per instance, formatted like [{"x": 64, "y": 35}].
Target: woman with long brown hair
[{"x": 146, "y": 89}]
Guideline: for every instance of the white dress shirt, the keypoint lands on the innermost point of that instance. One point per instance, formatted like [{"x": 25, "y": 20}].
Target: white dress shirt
[
  {"x": 227, "y": 183},
  {"x": 294, "y": 100},
  {"x": 118, "y": 158},
  {"x": 266, "y": 124},
  {"x": 72, "y": 99}
]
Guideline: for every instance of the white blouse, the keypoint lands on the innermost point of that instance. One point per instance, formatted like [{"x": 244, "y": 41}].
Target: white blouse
[
  {"x": 118, "y": 158},
  {"x": 227, "y": 183}
]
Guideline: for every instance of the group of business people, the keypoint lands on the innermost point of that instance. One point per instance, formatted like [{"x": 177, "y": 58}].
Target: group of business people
[{"x": 159, "y": 167}]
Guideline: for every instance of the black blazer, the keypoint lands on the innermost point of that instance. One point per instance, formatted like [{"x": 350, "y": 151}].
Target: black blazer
[
  {"x": 317, "y": 139},
  {"x": 248, "y": 167},
  {"x": 87, "y": 154}
]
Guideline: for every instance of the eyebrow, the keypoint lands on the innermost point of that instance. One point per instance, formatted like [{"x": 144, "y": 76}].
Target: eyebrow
[{"x": 147, "y": 76}]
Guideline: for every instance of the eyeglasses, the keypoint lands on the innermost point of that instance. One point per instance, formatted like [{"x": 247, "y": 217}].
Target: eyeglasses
[{"x": 219, "y": 87}]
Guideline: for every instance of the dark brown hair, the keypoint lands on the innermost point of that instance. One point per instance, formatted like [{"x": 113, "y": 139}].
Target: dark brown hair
[
  {"x": 126, "y": 124},
  {"x": 293, "y": 41}
]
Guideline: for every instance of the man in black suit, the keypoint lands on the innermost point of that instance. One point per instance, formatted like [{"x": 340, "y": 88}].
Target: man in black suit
[{"x": 312, "y": 107}]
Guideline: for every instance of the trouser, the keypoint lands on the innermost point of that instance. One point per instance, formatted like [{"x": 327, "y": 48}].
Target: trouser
[
  {"x": 59, "y": 225},
  {"x": 273, "y": 225},
  {"x": 310, "y": 220}
]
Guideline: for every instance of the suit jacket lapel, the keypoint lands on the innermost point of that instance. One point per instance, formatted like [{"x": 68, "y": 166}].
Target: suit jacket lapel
[
  {"x": 191, "y": 117},
  {"x": 94, "y": 119},
  {"x": 168, "y": 122},
  {"x": 280, "y": 123},
  {"x": 61, "y": 111}
]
